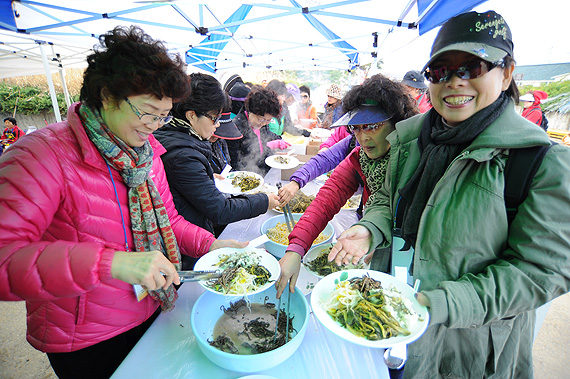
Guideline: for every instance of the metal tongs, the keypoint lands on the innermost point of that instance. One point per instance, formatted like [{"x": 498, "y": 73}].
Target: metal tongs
[
  {"x": 289, "y": 220},
  {"x": 194, "y": 276},
  {"x": 286, "y": 316}
]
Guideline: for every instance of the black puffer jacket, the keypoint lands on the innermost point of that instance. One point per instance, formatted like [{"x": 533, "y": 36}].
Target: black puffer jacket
[
  {"x": 191, "y": 180},
  {"x": 245, "y": 152}
]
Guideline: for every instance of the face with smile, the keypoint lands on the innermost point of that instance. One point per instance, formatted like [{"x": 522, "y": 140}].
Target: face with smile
[
  {"x": 458, "y": 99},
  {"x": 304, "y": 97},
  {"x": 373, "y": 142},
  {"x": 122, "y": 120}
]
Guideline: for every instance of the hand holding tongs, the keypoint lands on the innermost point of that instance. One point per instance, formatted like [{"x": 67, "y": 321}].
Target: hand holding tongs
[
  {"x": 289, "y": 220},
  {"x": 286, "y": 316},
  {"x": 194, "y": 276}
]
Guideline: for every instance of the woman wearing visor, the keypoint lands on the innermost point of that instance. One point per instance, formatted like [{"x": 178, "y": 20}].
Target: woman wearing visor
[
  {"x": 372, "y": 109},
  {"x": 481, "y": 278}
]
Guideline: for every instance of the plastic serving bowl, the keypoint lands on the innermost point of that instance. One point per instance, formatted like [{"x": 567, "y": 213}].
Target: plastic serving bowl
[
  {"x": 206, "y": 312},
  {"x": 277, "y": 249}
]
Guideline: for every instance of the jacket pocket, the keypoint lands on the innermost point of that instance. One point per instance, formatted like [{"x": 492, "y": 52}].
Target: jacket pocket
[{"x": 80, "y": 311}]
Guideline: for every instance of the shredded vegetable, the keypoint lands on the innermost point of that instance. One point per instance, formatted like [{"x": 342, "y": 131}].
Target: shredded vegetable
[
  {"x": 367, "y": 310},
  {"x": 242, "y": 274},
  {"x": 323, "y": 267},
  {"x": 280, "y": 234}
]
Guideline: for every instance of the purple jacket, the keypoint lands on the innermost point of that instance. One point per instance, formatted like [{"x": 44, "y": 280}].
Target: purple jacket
[{"x": 322, "y": 162}]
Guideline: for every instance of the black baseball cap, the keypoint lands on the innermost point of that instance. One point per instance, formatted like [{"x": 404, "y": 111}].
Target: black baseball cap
[
  {"x": 227, "y": 128},
  {"x": 485, "y": 35},
  {"x": 414, "y": 79}
]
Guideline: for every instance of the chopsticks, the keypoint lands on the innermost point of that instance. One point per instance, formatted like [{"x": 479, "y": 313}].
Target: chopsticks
[{"x": 289, "y": 220}]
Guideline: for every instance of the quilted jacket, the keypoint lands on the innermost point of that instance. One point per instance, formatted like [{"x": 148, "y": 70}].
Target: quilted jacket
[
  {"x": 60, "y": 226},
  {"x": 344, "y": 181}
]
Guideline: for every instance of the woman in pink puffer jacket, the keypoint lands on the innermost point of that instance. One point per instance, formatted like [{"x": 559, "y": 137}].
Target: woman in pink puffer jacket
[{"x": 86, "y": 212}]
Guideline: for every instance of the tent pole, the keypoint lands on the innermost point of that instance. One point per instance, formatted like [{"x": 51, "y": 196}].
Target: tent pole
[
  {"x": 50, "y": 83},
  {"x": 64, "y": 85}
]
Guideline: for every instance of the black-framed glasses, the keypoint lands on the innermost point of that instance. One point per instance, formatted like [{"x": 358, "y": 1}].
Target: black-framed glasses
[
  {"x": 148, "y": 118},
  {"x": 365, "y": 127},
  {"x": 215, "y": 119},
  {"x": 471, "y": 70}
]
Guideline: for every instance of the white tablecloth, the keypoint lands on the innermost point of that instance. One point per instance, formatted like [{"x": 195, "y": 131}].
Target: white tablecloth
[{"x": 169, "y": 348}]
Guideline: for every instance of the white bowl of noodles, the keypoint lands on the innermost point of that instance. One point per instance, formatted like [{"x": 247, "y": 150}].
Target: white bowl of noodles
[{"x": 278, "y": 234}]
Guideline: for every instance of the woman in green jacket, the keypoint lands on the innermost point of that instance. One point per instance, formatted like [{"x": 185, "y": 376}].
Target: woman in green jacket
[{"x": 481, "y": 278}]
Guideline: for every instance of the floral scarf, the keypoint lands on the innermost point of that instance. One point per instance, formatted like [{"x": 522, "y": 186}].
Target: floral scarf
[
  {"x": 150, "y": 224},
  {"x": 375, "y": 172}
]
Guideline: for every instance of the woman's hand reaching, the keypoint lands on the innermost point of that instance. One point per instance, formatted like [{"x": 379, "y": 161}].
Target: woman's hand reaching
[
  {"x": 351, "y": 245},
  {"x": 290, "y": 266},
  {"x": 151, "y": 269},
  {"x": 287, "y": 192},
  {"x": 273, "y": 201}
]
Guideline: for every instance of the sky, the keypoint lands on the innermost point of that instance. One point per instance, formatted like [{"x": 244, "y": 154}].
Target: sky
[{"x": 540, "y": 31}]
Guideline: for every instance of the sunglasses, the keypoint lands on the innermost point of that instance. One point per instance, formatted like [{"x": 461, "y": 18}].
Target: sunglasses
[
  {"x": 471, "y": 70},
  {"x": 215, "y": 119},
  {"x": 304, "y": 96},
  {"x": 365, "y": 127}
]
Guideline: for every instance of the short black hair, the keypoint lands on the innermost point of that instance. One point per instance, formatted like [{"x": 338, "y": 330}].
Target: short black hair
[
  {"x": 11, "y": 119},
  {"x": 206, "y": 95},
  {"x": 305, "y": 89}
]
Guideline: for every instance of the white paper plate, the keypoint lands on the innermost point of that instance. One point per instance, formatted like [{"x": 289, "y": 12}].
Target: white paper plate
[
  {"x": 271, "y": 162},
  {"x": 226, "y": 186},
  {"x": 209, "y": 261},
  {"x": 326, "y": 286},
  {"x": 314, "y": 252}
]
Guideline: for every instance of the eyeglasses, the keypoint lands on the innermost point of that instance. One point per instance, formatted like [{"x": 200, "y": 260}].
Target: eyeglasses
[
  {"x": 148, "y": 118},
  {"x": 365, "y": 127},
  {"x": 471, "y": 70},
  {"x": 304, "y": 96},
  {"x": 215, "y": 119},
  {"x": 264, "y": 119}
]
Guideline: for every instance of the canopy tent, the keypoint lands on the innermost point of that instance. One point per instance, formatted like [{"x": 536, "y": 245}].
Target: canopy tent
[{"x": 220, "y": 35}]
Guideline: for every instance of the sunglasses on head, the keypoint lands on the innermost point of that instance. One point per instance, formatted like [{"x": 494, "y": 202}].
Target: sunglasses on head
[
  {"x": 365, "y": 127},
  {"x": 472, "y": 70}
]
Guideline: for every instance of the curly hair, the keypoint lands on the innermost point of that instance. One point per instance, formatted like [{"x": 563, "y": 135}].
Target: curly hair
[
  {"x": 389, "y": 94},
  {"x": 206, "y": 95},
  {"x": 261, "y": 101},
  {"x": 129, "y": 62}
]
